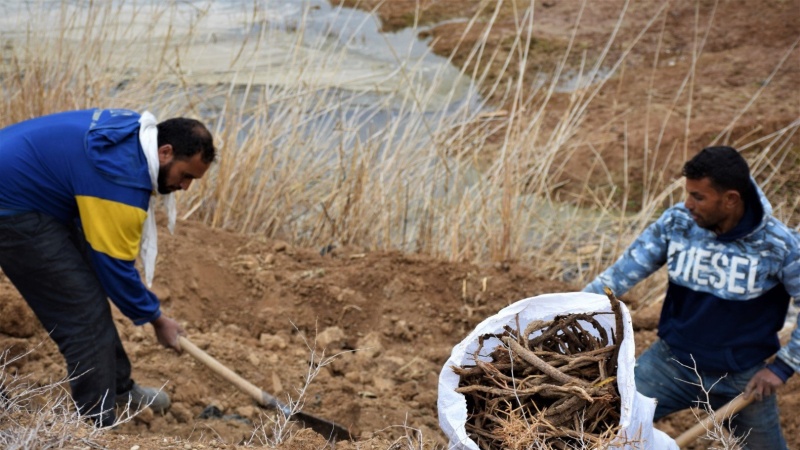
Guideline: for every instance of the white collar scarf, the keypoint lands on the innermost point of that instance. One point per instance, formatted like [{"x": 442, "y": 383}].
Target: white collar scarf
[{"x": 148, "y": 136}]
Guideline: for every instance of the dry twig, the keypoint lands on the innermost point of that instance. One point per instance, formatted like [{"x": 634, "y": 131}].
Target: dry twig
[{"x": 554, "y": 384}]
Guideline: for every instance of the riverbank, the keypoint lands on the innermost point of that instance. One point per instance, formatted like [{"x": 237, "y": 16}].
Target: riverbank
[{"x": 688, "y": 75}]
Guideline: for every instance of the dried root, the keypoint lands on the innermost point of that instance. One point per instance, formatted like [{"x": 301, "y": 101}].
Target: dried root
[{"x": 552, "y": 385}]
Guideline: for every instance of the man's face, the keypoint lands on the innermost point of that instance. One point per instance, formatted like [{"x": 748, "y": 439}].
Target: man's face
[
  {"x": 708, "y": 205},
  {"x": 175, "y": 174}
]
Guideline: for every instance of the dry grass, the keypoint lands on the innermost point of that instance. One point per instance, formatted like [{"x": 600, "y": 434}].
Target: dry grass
[
  {"x": 40, "y": 414},
  {"x": 298, "y": 163}
]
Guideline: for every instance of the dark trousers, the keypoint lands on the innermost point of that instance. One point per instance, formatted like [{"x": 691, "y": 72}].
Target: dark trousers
[{"x": 46, "y": 262}]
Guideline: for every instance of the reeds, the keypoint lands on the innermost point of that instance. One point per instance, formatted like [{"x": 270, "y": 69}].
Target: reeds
[
  {"x": 315, "y": 155},
  {"x": 312, "y": 154}
]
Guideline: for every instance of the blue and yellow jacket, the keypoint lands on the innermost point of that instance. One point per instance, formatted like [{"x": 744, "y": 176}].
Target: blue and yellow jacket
[
  {"x": 86, "y": 168},
  {"x": 728, "y": 295}
]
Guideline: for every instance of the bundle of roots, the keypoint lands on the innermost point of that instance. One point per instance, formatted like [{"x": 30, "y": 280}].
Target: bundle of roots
[{"x": 551, "y": 385}]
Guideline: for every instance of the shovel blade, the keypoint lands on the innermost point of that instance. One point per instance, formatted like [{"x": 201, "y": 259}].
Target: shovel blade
[{"x": 326, "y": 428}]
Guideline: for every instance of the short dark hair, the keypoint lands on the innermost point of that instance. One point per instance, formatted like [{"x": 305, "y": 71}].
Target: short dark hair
[
  {"x": 724, "y": 166},
  {"x": 187, "y": 137}
]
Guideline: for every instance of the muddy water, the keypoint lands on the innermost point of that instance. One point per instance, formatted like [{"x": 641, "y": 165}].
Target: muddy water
[
  {"x": 360, "y": 80},
  {"x": 287, "y": 43}
]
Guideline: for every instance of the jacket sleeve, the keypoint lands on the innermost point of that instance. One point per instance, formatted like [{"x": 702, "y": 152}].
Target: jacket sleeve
[
  {"x": 643, "y": 257},
  {"x": 113, "y": 231},
  {"x": 790, "y": 276}
]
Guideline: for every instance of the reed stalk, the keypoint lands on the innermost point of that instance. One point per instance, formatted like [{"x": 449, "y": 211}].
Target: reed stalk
[{"x": 479, "y": 181}]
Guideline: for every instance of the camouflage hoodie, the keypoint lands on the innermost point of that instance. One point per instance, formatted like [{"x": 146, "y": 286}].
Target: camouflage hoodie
[{"x": 728, "y": 295}]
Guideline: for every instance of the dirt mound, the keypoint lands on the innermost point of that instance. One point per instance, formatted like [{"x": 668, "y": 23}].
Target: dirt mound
[{"x": 263, "y": 307}]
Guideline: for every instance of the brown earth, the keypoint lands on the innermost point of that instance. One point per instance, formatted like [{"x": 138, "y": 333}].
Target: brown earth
[
  {"x": 656, "y": 109},
  {"x": 259, "y": 306}
]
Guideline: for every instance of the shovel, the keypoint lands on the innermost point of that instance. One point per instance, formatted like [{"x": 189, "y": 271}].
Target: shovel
[
  {"x": 324, "y": 427},
  {"x": 725, "y": 412}
]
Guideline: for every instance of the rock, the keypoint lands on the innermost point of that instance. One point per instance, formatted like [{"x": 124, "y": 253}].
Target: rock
[
  {"x": 138, "y": 335},
  {"x": 402, "y": 330},
  {"x": 331, "y": 338},
  {"x": 383, "y": 385},
  {"x": 145, "y": 415},
  {"x": 353, "y": 376},
  {"x": 272, "y": 341},
  {"x": 248, "y": 412},
  {"x": 253, "y": 359},
  {"x": 181, "y": 412},
  {"x": 16, "y": 318},
  {"x": 341, "y": 363},
  {"x": 266, "y": 277},
  {"x": 369, "y": 346},
  {"x": 247, "y": 263},
  {"x": 277, "y": 386},
  {"x": 350, "y": 297}
]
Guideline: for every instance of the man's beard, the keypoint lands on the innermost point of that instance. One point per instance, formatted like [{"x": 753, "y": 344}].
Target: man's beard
[
  {"x": 708, "y": 224},
  {"x": 162, "y": 179}
]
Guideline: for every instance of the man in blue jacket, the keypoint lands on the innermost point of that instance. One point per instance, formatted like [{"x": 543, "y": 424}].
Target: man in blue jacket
[
  {"x": 733, "y": 269},
  {"x": 76, "y": 195}
]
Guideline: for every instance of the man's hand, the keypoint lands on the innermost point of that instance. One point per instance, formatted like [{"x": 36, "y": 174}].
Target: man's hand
[
  {"x": 167, "y": 332},
  {"x": 763, "y": 384}
]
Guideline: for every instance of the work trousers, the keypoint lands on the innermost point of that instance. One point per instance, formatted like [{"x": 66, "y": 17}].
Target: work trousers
[
  {"x": 675, "y": 387},
  {"x": 47, "y": 262}
]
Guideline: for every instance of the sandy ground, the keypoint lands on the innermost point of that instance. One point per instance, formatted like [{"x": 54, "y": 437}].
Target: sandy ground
[{"x": 261, "y": 306}]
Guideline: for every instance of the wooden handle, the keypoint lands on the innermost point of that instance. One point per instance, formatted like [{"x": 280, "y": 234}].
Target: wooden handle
[
  {"x": 725, "y": 412},
  {"x": 324, "y": 427},
  {"x": 216, "y": 366}
]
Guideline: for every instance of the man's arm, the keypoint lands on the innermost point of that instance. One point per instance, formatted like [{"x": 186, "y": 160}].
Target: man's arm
[
  {"x": 113, "y": 230},
  {"x": 113, "y": 245},
  {"x": 787, "y": 361},
  {"x": 766, "y": 381},
  {"x": 643, "y": 257},
  {"x": 124, "y": 286}
]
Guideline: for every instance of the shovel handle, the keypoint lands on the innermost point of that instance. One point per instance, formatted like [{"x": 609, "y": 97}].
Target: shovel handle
[
  {"x": 330, "y": 430},
  {"x": 725, "y": 412},
  {"x": 261, "y": 397}
]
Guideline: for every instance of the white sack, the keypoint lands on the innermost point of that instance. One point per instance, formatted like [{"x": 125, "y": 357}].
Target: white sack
[{"x": 637, "y": 410}]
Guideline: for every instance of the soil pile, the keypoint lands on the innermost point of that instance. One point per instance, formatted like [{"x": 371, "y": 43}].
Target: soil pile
[{"x": 262, "y": 307}]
